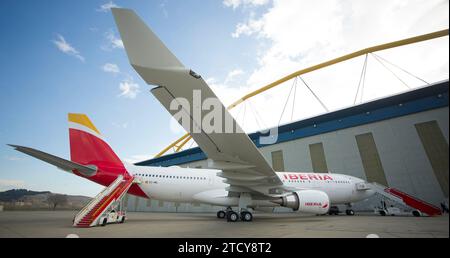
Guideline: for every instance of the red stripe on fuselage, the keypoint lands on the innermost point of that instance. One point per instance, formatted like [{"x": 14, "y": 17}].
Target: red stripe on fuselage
[{"x": 136, "y": 190}]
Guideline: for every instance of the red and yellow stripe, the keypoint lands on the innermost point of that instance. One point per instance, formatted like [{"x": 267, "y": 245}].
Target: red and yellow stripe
[{"x": 83, "y": 120}]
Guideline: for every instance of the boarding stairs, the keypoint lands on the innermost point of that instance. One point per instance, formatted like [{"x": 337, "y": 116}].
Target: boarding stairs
[
  {"x": 405, "y": 199},
  {"x": 91, "y": 213}
]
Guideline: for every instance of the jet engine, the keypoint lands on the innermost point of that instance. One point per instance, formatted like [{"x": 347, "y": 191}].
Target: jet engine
[{"x": 308, "y": 201}]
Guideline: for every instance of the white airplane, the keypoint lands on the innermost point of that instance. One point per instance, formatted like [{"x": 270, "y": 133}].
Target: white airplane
[{"x": 239, "y": 178}]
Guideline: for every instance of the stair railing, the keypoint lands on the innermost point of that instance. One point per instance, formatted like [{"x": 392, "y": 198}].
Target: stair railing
[{"x": 96, "y": 199}]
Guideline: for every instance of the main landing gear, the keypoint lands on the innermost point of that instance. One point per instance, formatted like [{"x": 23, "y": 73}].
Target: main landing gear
[
  {"x": 245, "y": 200},
  {"x": 349, "y": 211},
  {"x": 246, "y": 216},
  {"x": 221, "y": 214},
  {"x": 233, "y": 216}
]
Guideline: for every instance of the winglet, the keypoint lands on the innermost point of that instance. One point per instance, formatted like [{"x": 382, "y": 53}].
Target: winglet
[{"x": 143, "y": 47}]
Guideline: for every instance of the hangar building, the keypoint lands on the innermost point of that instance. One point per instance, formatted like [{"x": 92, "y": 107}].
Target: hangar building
[{"x": 399, "y": 141}]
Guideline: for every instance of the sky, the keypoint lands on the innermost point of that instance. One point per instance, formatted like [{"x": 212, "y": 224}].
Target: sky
[{"x": 58, "y": 57}]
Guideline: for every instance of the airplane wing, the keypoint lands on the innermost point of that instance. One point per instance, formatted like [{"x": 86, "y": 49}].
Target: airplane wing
[
  {"x": 63, "y": 164},
  {"x": 227, "y": 146}
]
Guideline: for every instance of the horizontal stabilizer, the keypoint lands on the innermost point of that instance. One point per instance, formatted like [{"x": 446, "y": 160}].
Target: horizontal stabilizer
[{"x": 63, "y": 164}]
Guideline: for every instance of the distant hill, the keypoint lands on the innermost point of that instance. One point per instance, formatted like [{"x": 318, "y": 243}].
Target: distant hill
[
  {"x": 22, "y": 199},
  {"x": 17, "y": 194}
]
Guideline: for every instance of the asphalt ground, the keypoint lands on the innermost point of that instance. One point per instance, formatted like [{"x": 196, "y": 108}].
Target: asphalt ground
[{"x": 24, "y": 224}]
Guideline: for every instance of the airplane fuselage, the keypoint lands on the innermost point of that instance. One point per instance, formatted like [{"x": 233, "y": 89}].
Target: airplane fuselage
[{"x": 205, "y": 186}]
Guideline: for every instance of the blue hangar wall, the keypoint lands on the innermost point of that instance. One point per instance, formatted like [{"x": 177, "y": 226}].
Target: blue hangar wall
[{"x": 400, "y": 141}]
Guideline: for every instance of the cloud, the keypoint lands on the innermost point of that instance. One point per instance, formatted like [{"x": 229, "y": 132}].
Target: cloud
[
  {"x": 163, "y": 8},
  {"x": 120, "y": 125},
  {"x": 232, "y": 75},
  {"x": 129, "y": 89},
  {"x": 248, "y": 28},
  {"x": 113, "y": 42},
  {"x": 297, "y": 34},
  {"x": 6, "y": 184},
  {"x": 137, "y": 158},
  {"x": 237, "y": 3},
  {"x": 211, "y": 80},
  {"x": 66, "y": 48},
  {"x": 107, "y": 6},
  {"x": 14, "y": 158},
  {"x": 111, "y": 68}
]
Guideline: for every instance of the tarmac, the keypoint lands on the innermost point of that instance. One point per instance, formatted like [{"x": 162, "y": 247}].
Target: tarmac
[{"x": 43, "y": 224}]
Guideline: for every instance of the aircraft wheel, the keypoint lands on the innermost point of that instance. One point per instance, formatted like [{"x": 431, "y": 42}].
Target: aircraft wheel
[
  {"x": 232, "y": 216},
  {"x": 246, "y": 216},
  {"x": 221, "y": 214},
  {"x": 104, "y": 222},
  {"x": 122, "y": 220},
  {"x": 350, "y": 212},
  {"x": 416, "y": 214}
]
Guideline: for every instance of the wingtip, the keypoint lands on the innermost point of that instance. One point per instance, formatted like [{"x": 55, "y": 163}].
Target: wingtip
[
  {"x": 143, "y": 47},
  {"x": 14, "y": 146},
  {"x": 117, "y": 10}
]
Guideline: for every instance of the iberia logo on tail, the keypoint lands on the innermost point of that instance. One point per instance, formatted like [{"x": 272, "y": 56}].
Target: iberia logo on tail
[{"x": 87, "y": 147}]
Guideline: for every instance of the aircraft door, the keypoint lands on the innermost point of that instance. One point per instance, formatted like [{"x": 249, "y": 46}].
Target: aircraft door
[{"x": 210, "y": 180}]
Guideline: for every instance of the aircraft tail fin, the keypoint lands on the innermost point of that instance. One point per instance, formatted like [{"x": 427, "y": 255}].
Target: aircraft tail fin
[
  {"x": 88, "y": 147},
  {"x": 90, "y": 155}
]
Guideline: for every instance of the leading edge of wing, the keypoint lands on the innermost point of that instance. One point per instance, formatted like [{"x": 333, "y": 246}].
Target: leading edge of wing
[{"x": 158, "y": 66}]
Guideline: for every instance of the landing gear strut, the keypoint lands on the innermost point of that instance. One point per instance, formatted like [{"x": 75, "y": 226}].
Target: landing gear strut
[{"x": 245, "y": 201}]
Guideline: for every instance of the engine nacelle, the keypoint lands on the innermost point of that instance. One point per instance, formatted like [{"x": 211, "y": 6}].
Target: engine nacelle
[{"x": 309, "y": 201}]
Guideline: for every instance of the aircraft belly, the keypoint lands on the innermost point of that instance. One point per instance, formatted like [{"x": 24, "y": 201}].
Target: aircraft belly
[
  {"x": 173, "y": 192},
  {"x": 339, "y": 195}
]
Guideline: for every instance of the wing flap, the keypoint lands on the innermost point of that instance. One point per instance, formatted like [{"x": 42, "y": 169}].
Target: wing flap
[{"x": 234, "y": 148}]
